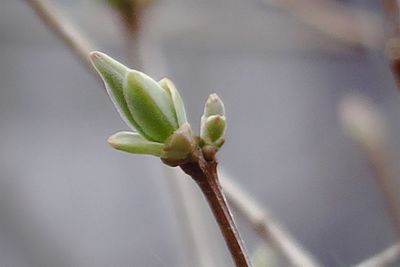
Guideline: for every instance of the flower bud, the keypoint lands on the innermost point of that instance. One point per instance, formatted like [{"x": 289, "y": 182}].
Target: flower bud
[
  {"x": 134, "y": 143},
  {"x": 213, "y": 122}
]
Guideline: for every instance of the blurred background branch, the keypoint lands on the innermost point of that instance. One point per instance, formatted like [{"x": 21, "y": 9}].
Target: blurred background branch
[
  {"x": 64, "y": 30},
  {"x": 388, "y": 257},
  {"x": 352, "y": 27},
  {"x": 266, "y": 226},
  {"x": 392, "y": 31}
]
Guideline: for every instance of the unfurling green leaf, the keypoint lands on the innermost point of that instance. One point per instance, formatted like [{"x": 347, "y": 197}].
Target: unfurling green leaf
[
  {"x": 150, "y": 105},
  {"x": 113, "y": 74},
  {"x": 177, "y": 101},
  {"x": 134, "y": 143}
]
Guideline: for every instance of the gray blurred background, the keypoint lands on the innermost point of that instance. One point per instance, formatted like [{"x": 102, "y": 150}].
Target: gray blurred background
[{"x": 68, "y": 199}]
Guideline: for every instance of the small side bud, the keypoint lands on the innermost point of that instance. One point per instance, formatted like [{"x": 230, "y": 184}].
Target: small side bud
[
  {"x": 134, "y": 143},
  {"x": 213, "y": 130},
  {"x": 213, "y": 122}
]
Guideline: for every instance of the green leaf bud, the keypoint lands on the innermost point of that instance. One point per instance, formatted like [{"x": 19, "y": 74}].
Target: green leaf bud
[
  {"x": 177, "y": 101},
  {"x": 213, "y": 122},
  {"x": 150, "y": 105},
  {"x": 113, "y": 74},
  {"x": 213, "y": 130},
  {"x": 135, "y": 143},
  {"x": 214, "y": 106}
]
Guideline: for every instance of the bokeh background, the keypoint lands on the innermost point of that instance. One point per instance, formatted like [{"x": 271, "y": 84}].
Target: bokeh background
[{"x": 68, "y": 199}]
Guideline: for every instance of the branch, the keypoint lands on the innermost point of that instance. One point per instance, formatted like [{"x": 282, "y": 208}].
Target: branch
[
  {"x": 387, "y": 257},
  {"x": 352, "y": 27},
  {"x": 64, "y": 30},
  {"x": 204, "y": 173},
  {"x": 364, "y": 123},
  {"x": 392, "y": 47},
  {"x": 266, "y": 226}
]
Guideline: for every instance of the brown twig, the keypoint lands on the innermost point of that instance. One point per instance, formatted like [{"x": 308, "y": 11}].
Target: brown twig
[
  {"x": 266, "y": 226},
  {"x": 392, "y": 46},
  {"x": 206, "y": 176},
  {"x": 385, "y": 258}
]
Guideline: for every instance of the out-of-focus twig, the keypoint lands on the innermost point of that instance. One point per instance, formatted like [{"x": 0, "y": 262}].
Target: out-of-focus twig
[
  {"x": 392, "y": 46},
  {"x": 365, "y": 125},
  {"x": 130, "y": 13},
  {"x": 64, "y": 30},
  {"x": 266, "y": 226},
  {"x": 359, "y": 28},
  {"x": 385, "y": 258}
]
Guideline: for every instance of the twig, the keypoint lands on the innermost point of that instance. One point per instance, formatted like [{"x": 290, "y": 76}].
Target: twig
[
  {"x": 205, "y": 174},
  {"x": 365, "y": 125},
  {"x": 385, "y": 258},
  {"x": 64, "y": 30},
  {"x": 392, "y": 47},
  {"x": 378, "y": 160},
  {"x": 266, "y": 226},
  {"x": 352, "y": 27}
]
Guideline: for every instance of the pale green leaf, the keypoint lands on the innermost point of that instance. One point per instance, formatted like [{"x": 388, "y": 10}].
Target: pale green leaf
[
  {"x": 150, "y": 106},
  {"x": 134, "y": 143},
  {"x": 177, "y": 101}
]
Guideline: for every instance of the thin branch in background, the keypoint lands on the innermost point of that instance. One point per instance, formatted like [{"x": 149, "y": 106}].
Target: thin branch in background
[
  {"x": 267, "y": 228},
  {"x": 385, "y": 258},
  {"x": 359, "y": 28},
  {"x": 130, "y": 13},
  {"x": 365, "y": 125},
  {"x": 64, "y": 30},
  {"x": 392, "y": 46}
]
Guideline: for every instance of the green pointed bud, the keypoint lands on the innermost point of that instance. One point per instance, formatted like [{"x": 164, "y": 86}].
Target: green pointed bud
[
  {"x": 179, "y": 145},
  {"x": 177, "y": 101},
  {"x": 213, "y": 122},
  {"x": 213, "y": 130},
  {"x": 113, "y": 74},
  {"x": 134, "y": 143},
  {"x": 150, "y": 105},
  {"x": 214, "y": 106}
]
